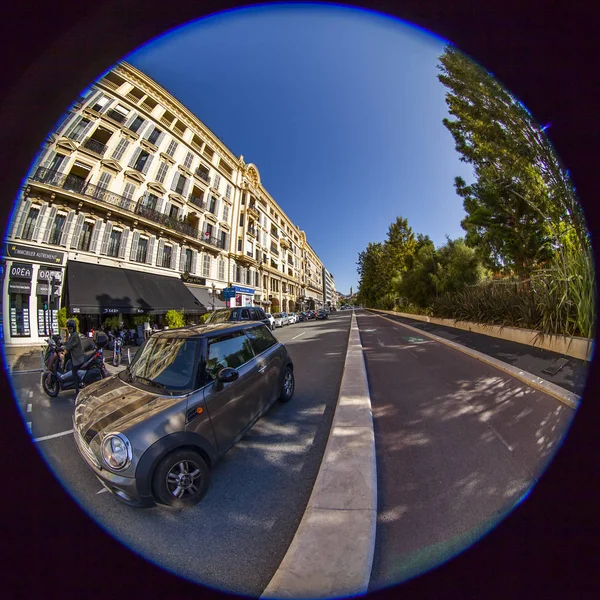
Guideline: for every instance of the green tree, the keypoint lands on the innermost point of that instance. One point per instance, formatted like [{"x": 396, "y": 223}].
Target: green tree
[
  {"x": 174, "y": 319},
  {"x": 370, "y": 281}
]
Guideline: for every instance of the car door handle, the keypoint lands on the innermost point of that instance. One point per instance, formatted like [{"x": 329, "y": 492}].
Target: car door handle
[{"x": 262, "y": 369}]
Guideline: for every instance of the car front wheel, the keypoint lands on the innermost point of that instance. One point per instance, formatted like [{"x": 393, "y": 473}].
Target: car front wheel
[
  {"x": 181, "y": 479},
  {"x": 288, "y": 385}
]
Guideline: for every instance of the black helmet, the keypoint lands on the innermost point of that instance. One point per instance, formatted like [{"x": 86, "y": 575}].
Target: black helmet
[{"x": 71, "y": 323}]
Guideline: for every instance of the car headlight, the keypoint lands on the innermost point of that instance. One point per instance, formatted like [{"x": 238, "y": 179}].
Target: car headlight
[{"x": 116, "y": 451}]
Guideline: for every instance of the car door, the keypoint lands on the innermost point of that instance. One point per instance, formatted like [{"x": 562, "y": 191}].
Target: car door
[
  {"x": 268, "y": 357},
  {"x": 231, "y": 406}
]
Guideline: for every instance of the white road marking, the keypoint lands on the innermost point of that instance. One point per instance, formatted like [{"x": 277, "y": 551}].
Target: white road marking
[
  {"x": 31, "y": 393},
  {"x": 54, "y": 435},
  {"x": 102, "y": 491},
  {"x": 501, "y": 438},
  {"x": 299, "y": 335},
  {"x": 29, "y": 426},
  {"x": 29, "y": 408}
]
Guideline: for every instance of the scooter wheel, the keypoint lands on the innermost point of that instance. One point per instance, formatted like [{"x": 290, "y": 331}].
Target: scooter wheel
[
  {"x": 116, "y": 359},
  {"x": 50, "y": 384}
]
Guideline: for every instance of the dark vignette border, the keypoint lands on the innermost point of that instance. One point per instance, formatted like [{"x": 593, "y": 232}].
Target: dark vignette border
[{"x": 544, "y": 52}]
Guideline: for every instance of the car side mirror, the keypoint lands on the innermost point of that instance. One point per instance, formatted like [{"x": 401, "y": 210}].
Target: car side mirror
[{"x": 227, "y": 375}]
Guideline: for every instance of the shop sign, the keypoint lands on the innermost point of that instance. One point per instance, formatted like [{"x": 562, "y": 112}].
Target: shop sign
[
  {"x": 21, "y": 271},
  {"x": 243, "y": 290},
  {"x": 16, "y": 286},
  {"x": 45, "y": 274},
  {"x": 193, "y": 279},
  {"x": 41, "y": 255}
]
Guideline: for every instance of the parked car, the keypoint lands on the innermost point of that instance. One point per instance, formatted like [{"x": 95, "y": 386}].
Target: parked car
[
  {"x": 239, "y": 313},
  {"x": 322, "y": 314},
  {"x": 280, "y": 320},
  {"x": 293, "y": 317},
  {"x": 152, "y": 432},
  {"x": 271, "y": 321}
]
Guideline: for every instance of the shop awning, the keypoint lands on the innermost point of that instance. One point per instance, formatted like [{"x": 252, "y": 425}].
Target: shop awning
[
  {"x": 100, "y": 290},
  {"x": 204, "y": 295}
]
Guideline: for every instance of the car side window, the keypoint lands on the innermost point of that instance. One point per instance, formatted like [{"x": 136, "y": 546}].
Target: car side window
[
  {"x": 255, "y": 314},
  {"x": 229, "y": 350},
  {"x": 245, "y": 314},
  {"x": 261, "y": 338}
]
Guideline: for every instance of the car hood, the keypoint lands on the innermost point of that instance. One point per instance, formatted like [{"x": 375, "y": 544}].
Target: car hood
[{"x": 114, "y": 405}]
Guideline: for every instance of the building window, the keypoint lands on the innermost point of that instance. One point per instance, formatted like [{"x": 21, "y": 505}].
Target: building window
[
  {"x": 228, "y": 191},
  {"x": 141, "y": 161},
  {"x": 213, "y": 205},
  {"x": 240, "y": 245},
  {"x": 217, "y": 181},
  {"x": 172, "y": 147},
  {"x": 222, "y": 270},
  {"x": 206, "y": 266},
  {"x": 57, "y": 229},
  {"x": 241, "y": 220},
  {"x": 149, "y": 201},
  {"x": 128, "y": 191},
  {"x": 162, "y": 172},
  {"x": 226, "y": 212},
  {"x": 188, "y": 260},
  {"x": 142, "y": 250},
  {"x": 166, "y": 257},
  {"x": 238, "y": 274},
  {"x": 114, "y": 243},
  {"x": 86, "y": 236},
  {"x": 154, "y": 135},
  {"x": 188, "y": 160},
  {"x": 79, "y": 129},
  {"x": 137, "y": 123},
  {"x": 29, "y": 228},
  {"x": 120, "y": 149},
  {"x": 19, "y": 315},
  {"x": 100, "y": 104},
  {"x": 174, "y": 211},
  {"x": 180, "y": 184}
]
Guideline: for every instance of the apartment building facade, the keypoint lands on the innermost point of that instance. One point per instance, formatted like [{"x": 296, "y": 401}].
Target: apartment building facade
[
  {"x": 329, "y": 291},
  {"x": 135, "y": 207}
]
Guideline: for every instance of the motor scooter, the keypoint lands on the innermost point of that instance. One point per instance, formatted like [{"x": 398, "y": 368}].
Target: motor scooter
[{"x": 58, "y": 377}]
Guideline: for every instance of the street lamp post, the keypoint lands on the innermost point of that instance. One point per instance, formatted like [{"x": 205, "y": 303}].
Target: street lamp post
[{"x": 214, "y": 291}]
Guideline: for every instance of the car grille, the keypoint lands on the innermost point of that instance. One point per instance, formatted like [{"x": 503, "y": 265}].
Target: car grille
[{"x": 85, "y": 449}]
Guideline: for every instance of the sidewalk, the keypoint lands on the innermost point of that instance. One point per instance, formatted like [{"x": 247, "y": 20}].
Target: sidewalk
[{"x": 572, "y": 376}]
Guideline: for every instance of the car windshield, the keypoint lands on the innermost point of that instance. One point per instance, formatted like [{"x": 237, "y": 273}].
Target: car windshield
[
  {"x": 219, "y": 316},
  {"x": 165, "y": 363}
]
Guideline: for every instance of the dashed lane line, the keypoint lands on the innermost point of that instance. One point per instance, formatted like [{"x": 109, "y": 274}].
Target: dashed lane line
[
  {"x": 29, "y": 408},
  {"x": 299, "y": 335},
  {"x": 54, "y": 435}
]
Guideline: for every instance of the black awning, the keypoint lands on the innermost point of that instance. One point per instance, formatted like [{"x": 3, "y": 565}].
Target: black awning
[
  {"x": 204, "y": 295},
  {"x": 101, "y": 290}
]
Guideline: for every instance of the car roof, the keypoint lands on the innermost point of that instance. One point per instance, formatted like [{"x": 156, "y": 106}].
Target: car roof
[{"x": 197, "y": 331}]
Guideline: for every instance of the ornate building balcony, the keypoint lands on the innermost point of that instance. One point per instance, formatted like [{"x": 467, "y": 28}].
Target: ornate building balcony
[
  {"x": 94, "y": 146},
  {"x": 253, "y": 211}
]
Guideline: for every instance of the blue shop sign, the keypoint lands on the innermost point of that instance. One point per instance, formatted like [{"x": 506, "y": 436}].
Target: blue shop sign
[{"x": 243, "y": 290}]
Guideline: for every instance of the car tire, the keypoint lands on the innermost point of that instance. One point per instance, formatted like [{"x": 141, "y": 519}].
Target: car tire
[
  {"x": 189, "y": 468},
  {"x": 288, "y": 385}
]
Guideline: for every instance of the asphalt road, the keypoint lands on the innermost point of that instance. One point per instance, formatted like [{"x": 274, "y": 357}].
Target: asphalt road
[
  {"x": 235, "y": 539},
  {"x": 458, "y": 444}
]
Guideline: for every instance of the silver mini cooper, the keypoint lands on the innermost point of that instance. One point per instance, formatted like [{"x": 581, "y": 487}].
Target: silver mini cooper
[{"x": 152, "y": 432}]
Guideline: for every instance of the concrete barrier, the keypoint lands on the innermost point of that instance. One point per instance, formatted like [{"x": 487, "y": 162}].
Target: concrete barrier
[
  {"x": 577, "y": 347},
  {"x": 331, "y": 554}
]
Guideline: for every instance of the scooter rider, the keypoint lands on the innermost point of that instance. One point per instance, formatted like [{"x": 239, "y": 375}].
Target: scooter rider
[{"x": 75, "y": 349}]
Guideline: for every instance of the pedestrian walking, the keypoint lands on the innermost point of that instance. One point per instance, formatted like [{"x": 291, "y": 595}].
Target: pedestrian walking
[{"x": 147, "y": 330}]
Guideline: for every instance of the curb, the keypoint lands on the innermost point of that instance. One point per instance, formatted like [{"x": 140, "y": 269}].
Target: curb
[
  {"x": 564, "y": 396},
  {"x": 331, "y": 554}
]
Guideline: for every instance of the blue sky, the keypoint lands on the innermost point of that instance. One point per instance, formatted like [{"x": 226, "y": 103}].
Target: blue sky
[{"x": 340, "y": 109}]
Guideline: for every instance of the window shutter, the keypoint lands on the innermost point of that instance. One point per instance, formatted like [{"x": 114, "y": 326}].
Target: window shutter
[
  {"x": 104, "y": 180},
  {"x": 135, "y": 156},
  {"x": 67, "y": 229},
  {"x": 175, "y": 181},
  {"x": 20, "y": 221},
  {"x": 93, "y": 98},
  {"x": 186, "y": 187},
  {"x": 107, "y": 232},
  {"x": 174, "y": 256},
  {"x": 110, "y": 102},
  {"x": 159, "y": 252},
  {"x": 150, "y": 250},
  {"x": 73, "y": 126},
  {"x": 167, "y": 207},
  {"x": 120, "y": 149},
  {"x": 159, "y": 204},
  {"x": 49, "y": 224},
  {"x": 131, "y": 119},
  {"x": 123, "y": 246},
  {"x": 77, "y": 230},
  {"x": 194, "y": 261},
  {"x": 68, "y": 119},
  {"x": 160, "y": 139},
  {"x": 217, "y": 181},
  {"x": 182, "y": 259},
  {"x": 134, "y": 245},
  {"x": 227, "y": 242},
  {"x": 83, "y": 132},
  {"x": 38, "y": 223},
  {"x": 142, "y": 127},
  {"x": 95, "y": 235},
  {"x": 218, "y": 207},
  {"x": 148, "y": 132},
  {"x": 148, "y": 163}
]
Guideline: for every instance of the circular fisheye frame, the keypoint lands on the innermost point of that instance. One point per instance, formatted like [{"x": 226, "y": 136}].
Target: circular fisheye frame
[{"x": 207, "y": 335}]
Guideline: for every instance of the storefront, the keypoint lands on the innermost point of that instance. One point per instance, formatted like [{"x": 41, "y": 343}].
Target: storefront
[
  {"x": 208, "y": 296},
  {"x": 243, "y": 296},
  {"x": 31, "y": 291}
]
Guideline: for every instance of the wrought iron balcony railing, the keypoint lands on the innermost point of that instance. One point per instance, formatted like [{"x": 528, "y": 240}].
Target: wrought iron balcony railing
[
  {"x": 199, "y": 202},
  {"x": 95, "y": 146},
  {"x": 213, "y": 241},
  {"x": 171, "y": 222},
  {"x": 116, "y": 116},
  {"x": 203, "y": 175},
  {"x": 252, "y": 231}
]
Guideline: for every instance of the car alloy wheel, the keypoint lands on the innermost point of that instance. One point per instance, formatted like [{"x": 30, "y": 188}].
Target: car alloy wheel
[
  {"x": 181, "y": 479},
  {"x": 287, "y": 388}
]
